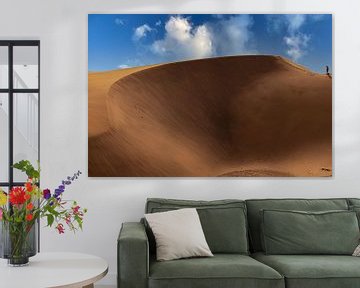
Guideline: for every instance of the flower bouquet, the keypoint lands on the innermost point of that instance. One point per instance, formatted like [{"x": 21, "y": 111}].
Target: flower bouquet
[{"x": 21, "y": 208}]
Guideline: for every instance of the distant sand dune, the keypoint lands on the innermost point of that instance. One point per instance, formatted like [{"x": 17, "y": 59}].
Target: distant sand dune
[{"x": 227, "y": 116}]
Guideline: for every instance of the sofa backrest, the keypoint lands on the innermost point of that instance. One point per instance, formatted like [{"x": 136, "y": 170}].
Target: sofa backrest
[
  {"x": 223, "y": 221},
  {"x": 256, "y": 205},
  {"x": 353, "y": 202}
]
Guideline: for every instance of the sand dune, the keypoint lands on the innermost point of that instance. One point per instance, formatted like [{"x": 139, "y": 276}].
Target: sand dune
[
  {"x": 228, "y": 116},
  {"x": 99, "y": 84}
]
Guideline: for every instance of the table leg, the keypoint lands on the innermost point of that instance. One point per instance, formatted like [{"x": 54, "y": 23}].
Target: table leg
[{"x": 89, "y": 286}]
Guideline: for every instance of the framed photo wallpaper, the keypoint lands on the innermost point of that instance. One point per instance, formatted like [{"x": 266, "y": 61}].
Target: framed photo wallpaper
[{"x": 200, "y": 95}]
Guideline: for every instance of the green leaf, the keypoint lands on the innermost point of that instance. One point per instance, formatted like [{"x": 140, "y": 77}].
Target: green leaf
[
  {"x": 50, "y": 219},
  {"x": 79, "y": 221},
  {"x": 26, "y": 167},
  {"x": 53, "y": 211}
]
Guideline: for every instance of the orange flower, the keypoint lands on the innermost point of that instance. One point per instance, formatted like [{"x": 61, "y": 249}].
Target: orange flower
[
  {"x": 29, "y": 217},
  {"x": 27, "y": 196},
  {"x": 29, "y": 206}
]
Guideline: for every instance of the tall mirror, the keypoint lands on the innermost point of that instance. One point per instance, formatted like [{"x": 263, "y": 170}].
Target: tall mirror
[{"x": 19, "y": 108}]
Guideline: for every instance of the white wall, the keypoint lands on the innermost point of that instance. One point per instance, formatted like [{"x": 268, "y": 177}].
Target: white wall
[{"x": 61, "y": 25}]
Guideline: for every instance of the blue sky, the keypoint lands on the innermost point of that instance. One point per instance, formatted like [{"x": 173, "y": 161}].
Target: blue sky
[{"x": 119, "y": 41}]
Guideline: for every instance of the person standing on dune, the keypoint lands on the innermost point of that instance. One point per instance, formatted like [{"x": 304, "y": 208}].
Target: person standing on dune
[{"x": 327, "y": 70}]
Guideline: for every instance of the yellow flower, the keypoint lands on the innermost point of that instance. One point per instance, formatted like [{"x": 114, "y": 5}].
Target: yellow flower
[{"x": 3, "y": 198}]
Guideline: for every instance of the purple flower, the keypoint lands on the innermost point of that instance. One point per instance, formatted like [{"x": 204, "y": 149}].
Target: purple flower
[
  {"x": 64, "y": 183},
  {"x": 46, "y": 194},
  {"x": 58, "y": 192}
]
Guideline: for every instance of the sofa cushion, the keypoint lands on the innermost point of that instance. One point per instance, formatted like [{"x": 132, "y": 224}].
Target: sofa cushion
[
  {"x": 314, "y": 271},
  {"x": 254, "y": 217},
  {"x": 222, "y": 270},
  {"x": 224, "y": 222},
  {"x": 297, "y": 232}
]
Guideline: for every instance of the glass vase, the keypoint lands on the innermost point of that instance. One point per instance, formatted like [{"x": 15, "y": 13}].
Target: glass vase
[{"x": 18, "y": 242}]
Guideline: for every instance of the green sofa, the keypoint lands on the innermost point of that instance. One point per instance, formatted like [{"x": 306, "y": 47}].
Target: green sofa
[{"x": 233, "y": 231}]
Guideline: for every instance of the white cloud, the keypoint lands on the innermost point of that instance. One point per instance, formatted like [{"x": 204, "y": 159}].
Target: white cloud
[
  {"x": 119, "y": 21},
  {"x": 294, "y": 22},
  {"x": 274, "y": 23},
  {"x": 289, "y": 22},
  {"x": 232, "y": 35},
  {"x": 142, "y": 31},
  {"x": 297, "y": 45},
  {"x": 123, "y": 66},
  {"x": 184, "y": 40},
  {"x": 158, "y": 23},
  {"x": 296, "y": 41}
]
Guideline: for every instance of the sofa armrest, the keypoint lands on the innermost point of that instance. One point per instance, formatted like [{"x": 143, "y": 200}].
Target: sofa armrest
[{"x": 133, "y": 256}]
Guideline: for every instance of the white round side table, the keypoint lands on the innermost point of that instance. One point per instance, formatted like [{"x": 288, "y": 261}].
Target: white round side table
[{"x": 50, "y": 270}]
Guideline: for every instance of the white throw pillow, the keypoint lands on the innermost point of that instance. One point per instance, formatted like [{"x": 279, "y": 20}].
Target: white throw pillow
[{"x": 178, "y": 234}]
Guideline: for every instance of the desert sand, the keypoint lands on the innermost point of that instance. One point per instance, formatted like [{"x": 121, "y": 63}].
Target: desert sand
[{"x": 226, "y": 116}]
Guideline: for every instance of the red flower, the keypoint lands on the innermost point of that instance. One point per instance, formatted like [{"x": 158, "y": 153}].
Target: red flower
[
  {"x": 68, "y": 219},
  {"x": 27, "y": 196},
  {"x": 60, "y": 228},
  {"x": 29, "y": 206},
  {"x": 29, "y": 186},
  {"x": 29, "y": 217},
  {"x": 75, "y": 209},
  {"x": 17, "y": 196}
]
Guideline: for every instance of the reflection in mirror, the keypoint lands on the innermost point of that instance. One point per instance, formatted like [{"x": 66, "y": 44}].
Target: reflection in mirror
[
  {"x": 26, "y": 74},
  {"x": 5, "y": 189},
  {"x": 26, "y": 130},
  {"x": 4, "y": 137},
  {"x": 4, "y": 67}
]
